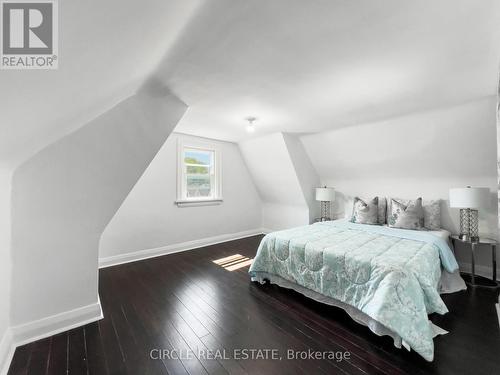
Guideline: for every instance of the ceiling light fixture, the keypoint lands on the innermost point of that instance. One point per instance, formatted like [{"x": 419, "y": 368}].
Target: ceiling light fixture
[{"x": 251, "y": 126}]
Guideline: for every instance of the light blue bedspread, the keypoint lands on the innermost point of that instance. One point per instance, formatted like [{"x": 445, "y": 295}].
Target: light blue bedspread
[{"x": 390, "y": 275}]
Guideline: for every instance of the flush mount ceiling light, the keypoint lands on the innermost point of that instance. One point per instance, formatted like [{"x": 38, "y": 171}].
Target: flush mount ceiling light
[{"x": 251, "y": 126}]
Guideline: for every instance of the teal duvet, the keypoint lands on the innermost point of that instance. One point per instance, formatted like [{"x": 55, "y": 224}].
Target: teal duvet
[{"x": 390, "y": 275}]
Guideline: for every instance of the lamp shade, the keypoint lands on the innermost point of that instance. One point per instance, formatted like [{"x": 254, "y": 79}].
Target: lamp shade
[
  {"x": 325, "y": 194},
  {"x": 469, "y": 197}
]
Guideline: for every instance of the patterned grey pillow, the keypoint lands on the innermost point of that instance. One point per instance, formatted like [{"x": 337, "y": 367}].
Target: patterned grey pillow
[
  {"x": 365, "y": 212},
  {"x": 409, "y": 216},
  {"x": 432, "y": 214},
  {"x": 382, "y": 210},
  {"x": 432, "y": 211}
]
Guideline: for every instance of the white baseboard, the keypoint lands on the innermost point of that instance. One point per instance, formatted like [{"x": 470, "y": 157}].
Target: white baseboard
[
  {"x": 175, "y": 248},
  {"x": 46, "y": 327},
  {"x": 479, "y": 269},
  {"x": 52, "y": 325},
  {"x": 7, "y": 348}
]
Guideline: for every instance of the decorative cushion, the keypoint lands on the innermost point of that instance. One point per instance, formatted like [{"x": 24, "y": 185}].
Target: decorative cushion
[
  {"x": 365, "y": 212},
  {"x": 432, "y": 214},
  {"x": 432, "y": 211},
  {"x": 382, "y": 208},
  {"x": 409, "y": 216}
]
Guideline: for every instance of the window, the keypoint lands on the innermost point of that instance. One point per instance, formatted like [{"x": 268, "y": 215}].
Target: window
[{"x": 199, "y": 175}]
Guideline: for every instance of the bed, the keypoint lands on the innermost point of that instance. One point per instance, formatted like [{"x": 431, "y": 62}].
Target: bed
[{"x": 385, "y": 278}]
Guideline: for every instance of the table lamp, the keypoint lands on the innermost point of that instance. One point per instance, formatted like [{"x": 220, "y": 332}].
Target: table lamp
[
  {"x": 469, "y": 199},
  {"x": 325, "y": 195}
]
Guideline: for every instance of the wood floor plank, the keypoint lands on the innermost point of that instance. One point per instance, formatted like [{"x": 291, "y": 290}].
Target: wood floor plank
[
  {"x": 146, "y": 327},
  {"x": 249, "y": 314},
  {"x": 159, "y": 314},
  {"x": 275, "y": 331},
  {"x": 150, "y": 341},
  {"x": 95, "y": 351},
  {"x": 21, "y": 359},
  {"x": 39, "y": 360},
  {"x": 113, "y": 352},
  {"x": 185, "y": 303},
  {"x": 77, "y": 358},
  {"x": 58, "y": 360}
]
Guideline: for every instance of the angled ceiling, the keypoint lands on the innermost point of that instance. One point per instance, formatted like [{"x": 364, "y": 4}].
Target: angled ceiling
[
  {"x": 299, "y": 66},
  {"x": 307, "y": 66},
  {"x": 106, "y": 50}
]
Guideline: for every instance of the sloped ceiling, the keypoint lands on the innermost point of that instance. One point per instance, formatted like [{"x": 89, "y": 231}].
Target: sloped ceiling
[
  {"x": 106, "y": 50},
  {"x": 307, "y": 66},
  {"x": 283, "y": 186},
  {"x": 299, "y": 66},
  {"x": 272, "y": 169}
]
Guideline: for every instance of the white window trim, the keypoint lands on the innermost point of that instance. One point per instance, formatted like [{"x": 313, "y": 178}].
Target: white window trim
[{"x": 181, "y": 199}]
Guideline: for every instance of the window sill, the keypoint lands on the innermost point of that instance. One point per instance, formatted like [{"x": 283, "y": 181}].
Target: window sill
[{"x": 197, "y": 203}]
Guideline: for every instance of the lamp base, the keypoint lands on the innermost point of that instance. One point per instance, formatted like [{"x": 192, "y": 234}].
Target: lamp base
[
  {"x": 469, "y": 225},
  {"x": 467, "y": 238},
  {"x": 325, "y": 211}
]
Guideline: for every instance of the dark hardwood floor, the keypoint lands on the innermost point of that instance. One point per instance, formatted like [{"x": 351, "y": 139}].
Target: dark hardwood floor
[{"x": 186, "y": 303}]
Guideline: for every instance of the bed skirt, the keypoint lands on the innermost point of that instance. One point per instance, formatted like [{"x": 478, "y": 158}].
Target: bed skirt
[{"x": 357, "y": 315}]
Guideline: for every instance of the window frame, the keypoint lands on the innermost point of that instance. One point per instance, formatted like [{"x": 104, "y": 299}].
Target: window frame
[{"x": 182, "y": 198}]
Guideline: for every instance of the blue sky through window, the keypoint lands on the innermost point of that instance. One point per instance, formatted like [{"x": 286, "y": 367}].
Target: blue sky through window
[{"x": 201, "y": 156}]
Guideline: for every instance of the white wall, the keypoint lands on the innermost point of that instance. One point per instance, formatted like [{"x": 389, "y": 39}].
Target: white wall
[
  {"x": 5, "y": 262},
  {"x": 422, "y": 154},
  {"x": 149, "y": 218},
  {"x": 274, "y": 174},
  {"x": 64, "y": 196},
  {"x": 277, "y": 216},
  {"x": 306, "y": 173}
]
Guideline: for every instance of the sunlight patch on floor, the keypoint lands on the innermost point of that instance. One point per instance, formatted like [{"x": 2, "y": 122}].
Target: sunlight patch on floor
[{"x": 233, "y": 262}]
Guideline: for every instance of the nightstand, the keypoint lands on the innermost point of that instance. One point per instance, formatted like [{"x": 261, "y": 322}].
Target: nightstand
[{"x": 473, "y": 248}]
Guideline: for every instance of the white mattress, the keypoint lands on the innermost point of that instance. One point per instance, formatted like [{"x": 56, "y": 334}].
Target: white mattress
[{"x": 441, "y": 233}]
